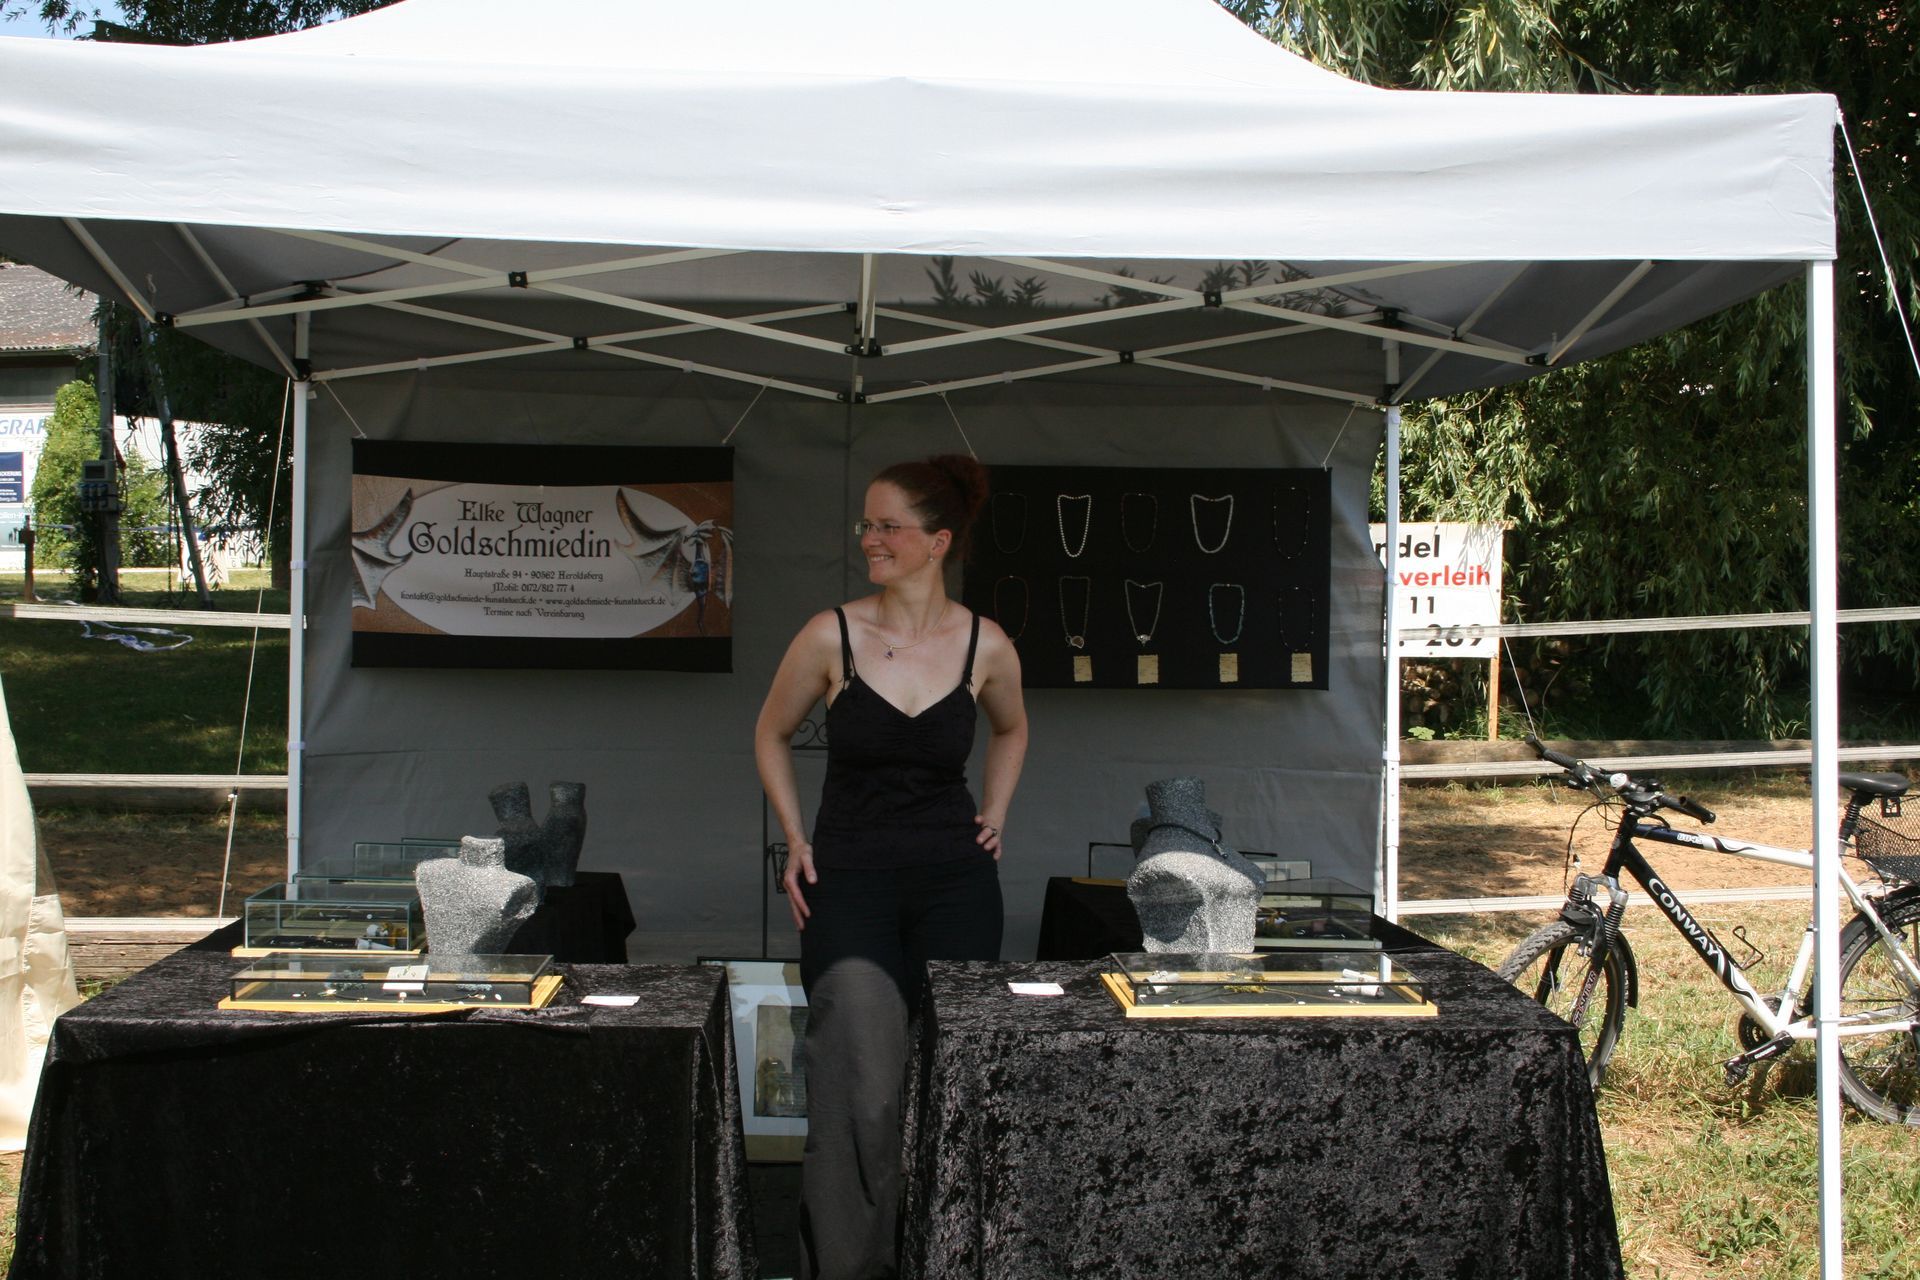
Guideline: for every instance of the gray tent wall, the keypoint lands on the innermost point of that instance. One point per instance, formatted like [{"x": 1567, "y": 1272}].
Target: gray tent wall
[{"x": 673, "y": 797}]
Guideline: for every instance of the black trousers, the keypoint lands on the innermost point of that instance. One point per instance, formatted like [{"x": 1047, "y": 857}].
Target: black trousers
[{"x": 863, "y": 961}]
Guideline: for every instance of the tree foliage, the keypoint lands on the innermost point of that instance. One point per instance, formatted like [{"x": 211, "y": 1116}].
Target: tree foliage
[
  {"x": 196, "y": 21},
  {"x": 1670, "y": 479},
  {"x": 73, "y": 438}
]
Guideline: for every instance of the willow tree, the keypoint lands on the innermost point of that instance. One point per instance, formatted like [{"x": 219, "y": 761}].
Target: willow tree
[{"x": 1671, "y": 479}]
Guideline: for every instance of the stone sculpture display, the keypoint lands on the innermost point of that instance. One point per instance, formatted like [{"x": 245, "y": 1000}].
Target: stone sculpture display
[
  {"x": 548, "y": 853},
  {"x": 1191, "y": 892},
  {"x": 472, "y": 903}
]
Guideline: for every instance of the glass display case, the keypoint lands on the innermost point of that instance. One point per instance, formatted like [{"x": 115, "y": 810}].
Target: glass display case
[
  {"x": 332, "y": 915},
  {"x": 377, "y": 861},
  {"x": 298, "y": 983},
  {"x": 1216, "y": 984},
  {"x": 1314, "y": 914}
]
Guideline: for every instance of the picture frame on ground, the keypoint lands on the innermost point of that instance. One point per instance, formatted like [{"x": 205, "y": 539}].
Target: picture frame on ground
[{"x": 769, "y": 1012}]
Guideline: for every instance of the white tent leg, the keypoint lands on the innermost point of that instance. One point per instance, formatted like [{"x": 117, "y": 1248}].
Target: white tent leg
[
  {"x": 1822, "y": 536},
  {"x": 1389, "y": 873},
  {"x": 297, "y": 595}
]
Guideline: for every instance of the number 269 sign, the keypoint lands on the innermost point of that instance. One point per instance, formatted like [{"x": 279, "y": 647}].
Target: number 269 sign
[{"x": 1448, "y": 580}]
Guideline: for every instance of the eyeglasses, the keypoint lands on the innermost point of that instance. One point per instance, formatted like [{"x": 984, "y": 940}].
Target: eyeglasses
[{"x": 885, "y": 528}]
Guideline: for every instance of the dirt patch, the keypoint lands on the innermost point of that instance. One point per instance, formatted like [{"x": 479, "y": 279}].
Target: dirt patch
[
  {"x": 134, "y": 864},
  {"x": 1456, "y": 842},
  {"x": 1500, "y": 842}
]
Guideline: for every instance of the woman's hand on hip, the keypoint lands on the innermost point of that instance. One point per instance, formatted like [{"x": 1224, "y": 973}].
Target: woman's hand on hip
[
  {"x": 799, "y": 866},
  {"x": 989, "y": 837}
]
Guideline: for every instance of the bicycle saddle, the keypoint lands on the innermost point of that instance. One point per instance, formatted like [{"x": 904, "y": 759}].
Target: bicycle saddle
[{"x": 1875, "y": 784}]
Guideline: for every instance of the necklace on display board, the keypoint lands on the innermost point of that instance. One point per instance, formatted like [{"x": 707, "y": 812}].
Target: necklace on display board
[
  {"x": 1152, "y": 505},
  {"x": 1000, "y": 612},
  {"x": 1226, "y": 531},
  {"x": 1086, "y": 521},
  {"x": 1239, "y": 612},
  {"x": 1076, "y": 639},
  {"x": 994, "y": 519},
  {"x": 1159, "y": 590}
]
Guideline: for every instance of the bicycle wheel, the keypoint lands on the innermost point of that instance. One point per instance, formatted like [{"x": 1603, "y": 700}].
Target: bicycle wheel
[
  {"x": 1880, "y": 1072},
  {"x": 1550, "y": 967}
]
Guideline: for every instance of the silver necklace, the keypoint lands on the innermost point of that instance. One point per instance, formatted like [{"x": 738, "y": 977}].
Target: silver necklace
[
  {"x": 1193, "y": 509},
  {"x": 1296, "y": 604},
  {"x": 1076, "y": 639},
  {"x": 1153, "y": 520},
  {"x": 1086, "y": 521},
  {"x": 1159, "y": 595},
  {"x": 1239, "y": 613},
  {"x": 1000, "y": 613},
  {"x": 891, "y": 646},
  {"x": 1020, "y": 529}
]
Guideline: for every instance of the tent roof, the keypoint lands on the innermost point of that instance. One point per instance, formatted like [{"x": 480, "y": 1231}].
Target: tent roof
[{"x": 1154, "y": 138}]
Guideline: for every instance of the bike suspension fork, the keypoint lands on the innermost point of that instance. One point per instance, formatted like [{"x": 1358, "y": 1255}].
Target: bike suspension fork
[{"x": 1606, "y": 937}]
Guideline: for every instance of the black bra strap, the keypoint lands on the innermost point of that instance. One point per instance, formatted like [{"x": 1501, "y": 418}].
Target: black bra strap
[
  {"x": 973, "y": 642},
  {"x": 846, "y": 644}
]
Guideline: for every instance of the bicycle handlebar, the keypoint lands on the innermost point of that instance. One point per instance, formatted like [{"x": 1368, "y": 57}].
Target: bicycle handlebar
[{"x": 1645, "y": 795}]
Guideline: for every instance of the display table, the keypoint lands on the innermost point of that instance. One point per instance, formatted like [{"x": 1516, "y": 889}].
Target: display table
[
  {"x": 172, "y": 1139},
  {"x": 1049, "y": 1136}
]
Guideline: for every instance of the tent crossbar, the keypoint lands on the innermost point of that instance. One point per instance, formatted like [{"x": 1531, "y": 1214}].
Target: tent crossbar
[
  {"x": 1464, "y": 332},
  {"x": 987, "y": 380},
  {"x": 1599, "y": 311},
  {"x": 544, "y": 340},
  {"x": 114, "y": 273},
  {"x": 1307, "y": 284},
  {"x": 1097, "y": 276},
  {"x": 331, "y": 301},
  {"x": 1376, "y": 330},
  {"x": 744, "y": 327},
  {"x": 1232, "y": 340},
  {"x": 1059, "y": 344},
  {"x": 631, "y": 263},
  {"x": 1256, "y": 380},
  {"x": 219, "y": 277},
  {"x": 1078, "y": 320},
  {"x": 715, "y": 371}
]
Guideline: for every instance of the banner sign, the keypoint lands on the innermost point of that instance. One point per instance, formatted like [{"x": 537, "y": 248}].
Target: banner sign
[
  {"x": 468, "y": 555},
  {"x": 13, "y": 478},
  {"x": 1449, "y": 586}
]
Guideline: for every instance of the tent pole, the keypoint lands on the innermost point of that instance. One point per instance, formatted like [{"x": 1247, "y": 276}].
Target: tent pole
[
  {"x": 1822, "y": 561},
  {"x": 1389, "y": 873},
  {"x": 297, "y": 594}
]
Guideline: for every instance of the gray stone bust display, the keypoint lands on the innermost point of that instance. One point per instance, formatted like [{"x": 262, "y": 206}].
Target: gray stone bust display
[
  {"x": 472, "y": 903},
  {"x": 547, "y": 852},
  {"x": 1191, "y": 892}
]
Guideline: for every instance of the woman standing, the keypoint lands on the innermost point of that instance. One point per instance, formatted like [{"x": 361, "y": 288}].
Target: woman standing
[{"x": 901, "y": 867}]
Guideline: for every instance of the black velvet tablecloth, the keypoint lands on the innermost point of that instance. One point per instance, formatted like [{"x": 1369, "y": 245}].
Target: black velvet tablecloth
[
  {"x": 1052, "y": 1137},
  {"x": 172, "y": 1139}
]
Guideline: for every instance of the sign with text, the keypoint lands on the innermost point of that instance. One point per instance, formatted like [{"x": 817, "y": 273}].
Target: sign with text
[
  {"x": 467, "y": 555},
  {"x": 13, "y": 478},
  {"x": 1449, "y": 586}
]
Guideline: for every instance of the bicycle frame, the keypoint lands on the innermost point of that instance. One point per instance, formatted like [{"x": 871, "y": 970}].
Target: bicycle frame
[{"x": 1713, "y": 953}]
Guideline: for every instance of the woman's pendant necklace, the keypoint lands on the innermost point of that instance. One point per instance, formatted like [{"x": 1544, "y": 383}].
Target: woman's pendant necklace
[
  {"x": 1076, "y": 639},
  {"x": 1139, "y": 502},
  {"x": 1159, "y": 590},
  {"x": 925, "y": 636},
  {"x": 1009, "y": 509},
  {"x": 1086, "y": 521}
]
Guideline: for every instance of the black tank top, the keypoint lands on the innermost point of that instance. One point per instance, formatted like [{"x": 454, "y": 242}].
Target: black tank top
[{"x": 896, "y": 789}]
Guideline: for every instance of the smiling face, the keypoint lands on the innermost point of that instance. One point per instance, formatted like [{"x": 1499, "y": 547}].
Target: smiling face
[{"x": 907, "y": 548}]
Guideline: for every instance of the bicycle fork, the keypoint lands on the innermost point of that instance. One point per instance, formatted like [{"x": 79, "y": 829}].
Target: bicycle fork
[{"x": 1580, "y": 912}]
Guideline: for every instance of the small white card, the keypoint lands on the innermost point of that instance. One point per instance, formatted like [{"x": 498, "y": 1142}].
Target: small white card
[
  {"x": 405, "y": 977},
  {"x": 611, "y": 1002},
  {"x": 1036, "y": 988}
]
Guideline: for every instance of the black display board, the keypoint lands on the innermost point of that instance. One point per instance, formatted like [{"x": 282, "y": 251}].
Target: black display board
[{"x": 1157, "y": 578}]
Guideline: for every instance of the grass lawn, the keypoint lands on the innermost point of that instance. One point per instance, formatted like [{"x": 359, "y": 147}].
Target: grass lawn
[
  {"x": 82, "y": 704},
  {"x": 1712, "y": 1180}
]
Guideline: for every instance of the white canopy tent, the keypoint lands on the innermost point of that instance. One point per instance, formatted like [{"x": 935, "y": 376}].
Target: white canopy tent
[{"x": 875, "y": 204}]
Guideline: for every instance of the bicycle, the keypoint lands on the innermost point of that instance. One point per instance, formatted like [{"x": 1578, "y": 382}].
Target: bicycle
[{"x": 1582, "y": 967}]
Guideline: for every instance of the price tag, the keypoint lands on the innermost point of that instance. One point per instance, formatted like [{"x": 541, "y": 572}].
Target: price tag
[
  {"x": 1036, "y": 988},
  {"x": 405, "y": 977},
  {"x": 611, "y": 1002}
]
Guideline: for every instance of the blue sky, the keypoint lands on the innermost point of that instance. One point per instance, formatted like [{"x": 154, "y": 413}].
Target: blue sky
[{"x": 28, "y": 22}]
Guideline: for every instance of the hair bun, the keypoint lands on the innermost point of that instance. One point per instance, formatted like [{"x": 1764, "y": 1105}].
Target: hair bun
[{"x": 968, "y": 478}]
